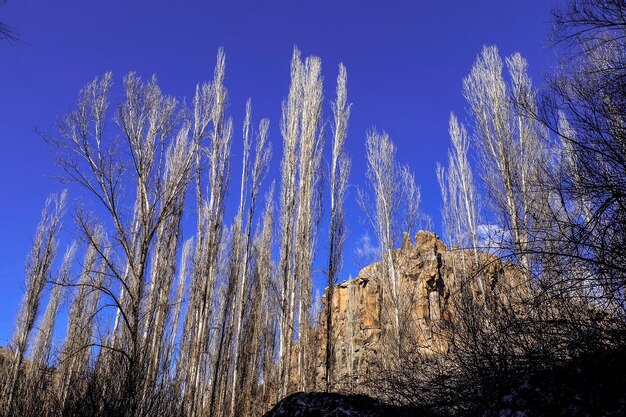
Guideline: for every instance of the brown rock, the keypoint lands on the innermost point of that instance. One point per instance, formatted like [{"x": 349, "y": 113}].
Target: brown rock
[{"x": 427, "y": 287}]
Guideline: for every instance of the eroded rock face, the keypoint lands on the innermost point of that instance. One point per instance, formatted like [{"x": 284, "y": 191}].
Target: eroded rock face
[{"x": 426, "y": 290}]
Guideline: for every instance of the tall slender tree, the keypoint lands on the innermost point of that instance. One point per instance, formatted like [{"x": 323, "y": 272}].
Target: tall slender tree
[
  {"x": 389, "y": 182},
  {"x": 300, "y": 178},
  {"x": 259, "y": 169},
  {"x": 38, "y": 268},
  {"x": 307, "y": 206},
  {"x": 510, "y": 145},
  {"x": 43, "y": 343},
  {"x": 339, "y": 173},
  {"x": 460, "y": 206},
  {"x": 210, "y": 105}
]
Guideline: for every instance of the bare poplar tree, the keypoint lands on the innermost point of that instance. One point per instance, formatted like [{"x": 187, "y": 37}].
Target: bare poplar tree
[
  {"x": 509, "y": 143},
  {"x": 43, "y": 343},
  {"x": 259, "y": 328},
  {"x": 184, "y": 271},
  {"x": 157, "y": 307},
  {"x": 79, "y": 340},
  {"x": 307, "y": 205},
  {"x": 382, "y": 175},
  {"x": 339, "y": 173},
  {"x": 210, "y": 105},
  {"x": 302, "y": 149},
  {"x": 269, "y": 303},
  {"x": 411, "y": 218},
  {"x": 259, "y": 169},
  {"x": 460, "y": 206},
  {"x": 290, "y": 130},
  {"x": 38, "y": 268},
  {"x": 151, "y": 150},
  {"x": 458, "y": 187},
  {"x": 390, "y": 185}
]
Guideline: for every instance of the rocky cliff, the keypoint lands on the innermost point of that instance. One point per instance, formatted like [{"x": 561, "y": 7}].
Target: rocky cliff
[{"x": 427, "y": 289}]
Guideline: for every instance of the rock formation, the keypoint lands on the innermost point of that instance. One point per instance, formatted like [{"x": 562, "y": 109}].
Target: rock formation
[{"x": 428, "y": 286}]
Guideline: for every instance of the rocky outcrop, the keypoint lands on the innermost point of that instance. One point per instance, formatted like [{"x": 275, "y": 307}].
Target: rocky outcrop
[{"x": 427, "y": 289}]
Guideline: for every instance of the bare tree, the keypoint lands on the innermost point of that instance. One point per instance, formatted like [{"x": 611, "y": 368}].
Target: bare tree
[
  {"x": 390, "y": 185},
  {"x": 300, "y": 178},
  {"x": 339, "y": 173},
  {"x": 79, "y": 339},
  {"x": 585, "y": 107},
  {"x": 43, "y": 343},
  {"x": 152, "y": 151},
  {"x": 290, "y": 129},
  {"x": 458, "y": 187},
  {"x": 511, "y": 146},
  {"x": 38, "y": 268},
  {"x": 184, "y": 272},
  {"x": 269, "y": 304},
  {"x": 157, "y": 307},
  {"x": 259, "y": 169},
  {"x": 460, "y": 206},
  {"x": 309, "y": 176}
]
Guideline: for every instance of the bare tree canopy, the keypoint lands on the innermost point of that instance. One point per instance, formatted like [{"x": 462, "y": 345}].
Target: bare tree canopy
[{"x": 174, "y": 303}]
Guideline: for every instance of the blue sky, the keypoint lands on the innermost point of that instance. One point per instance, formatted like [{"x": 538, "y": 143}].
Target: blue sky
[{"x": 405, "y": 61}]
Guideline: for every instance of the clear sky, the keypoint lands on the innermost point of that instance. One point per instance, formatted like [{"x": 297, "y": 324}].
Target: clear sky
[{"x": 405, "y": 61}]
